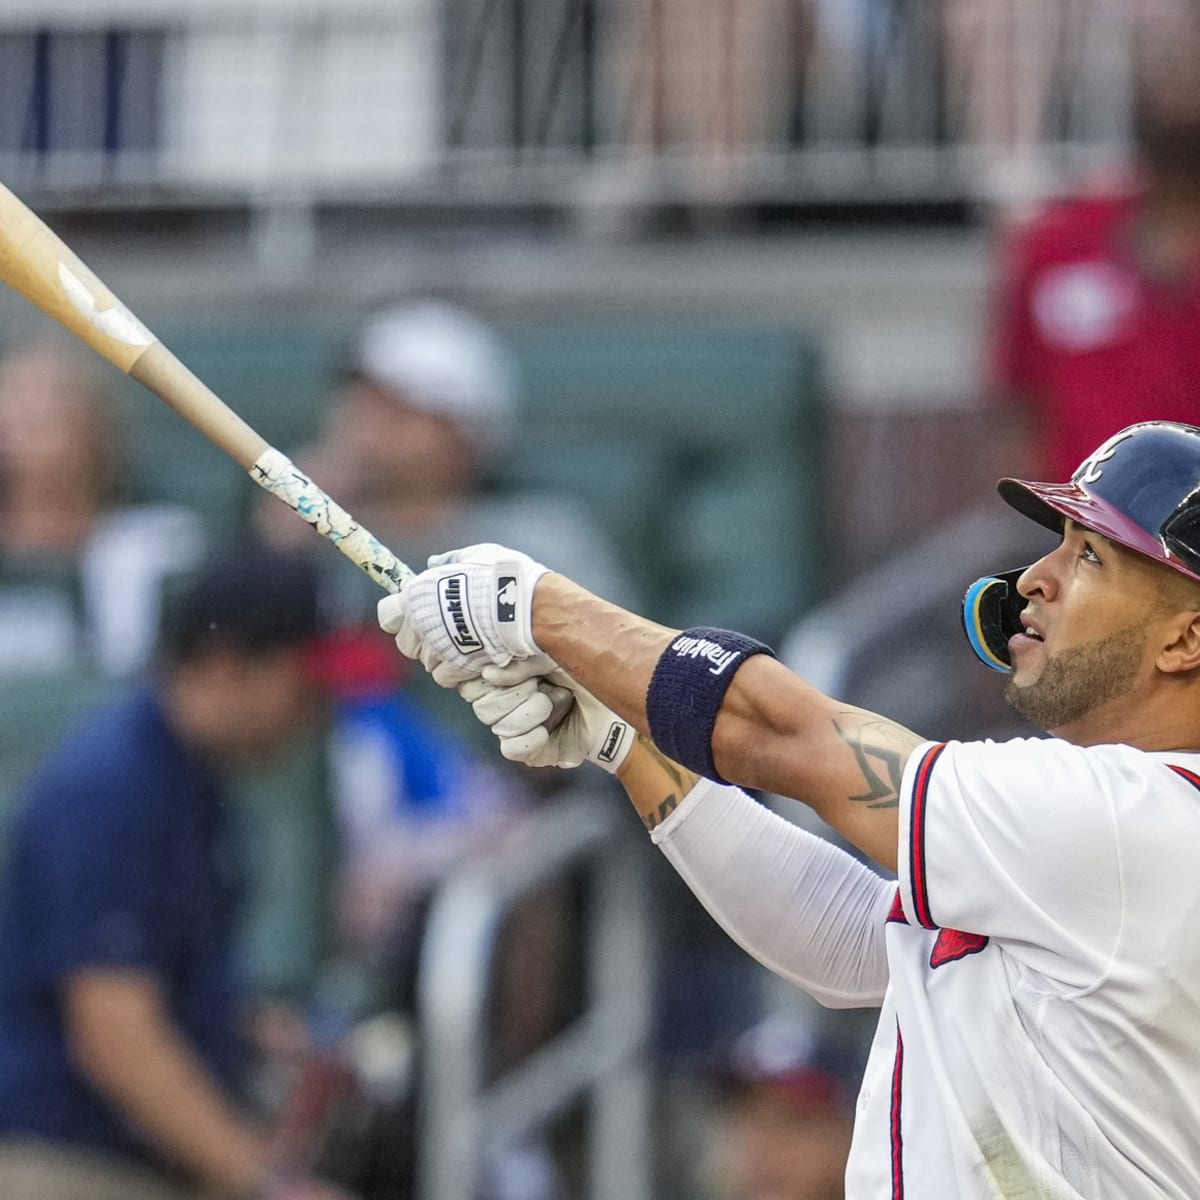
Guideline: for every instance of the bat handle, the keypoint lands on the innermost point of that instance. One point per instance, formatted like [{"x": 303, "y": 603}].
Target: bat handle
[{"x": 277, "y": 474}]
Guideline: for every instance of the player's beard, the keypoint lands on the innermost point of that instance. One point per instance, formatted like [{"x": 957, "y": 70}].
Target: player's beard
[{"x": 1075, "y": 682}]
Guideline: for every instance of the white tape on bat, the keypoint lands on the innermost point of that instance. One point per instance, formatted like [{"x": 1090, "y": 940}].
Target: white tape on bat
[
  {"x": 277, "y": 474},
  {"x": 116, "y": 322}
]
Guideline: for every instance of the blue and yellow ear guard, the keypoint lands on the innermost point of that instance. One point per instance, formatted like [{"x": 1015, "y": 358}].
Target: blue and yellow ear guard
[{"x": 991, "y": 614}]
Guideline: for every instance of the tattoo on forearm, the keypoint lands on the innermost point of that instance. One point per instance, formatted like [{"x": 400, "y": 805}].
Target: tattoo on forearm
[
  {"x": 670, "y": 802},
  {"x": 671, "y": 768},
  {"x": 878, "y": 749},
  {"x": 652, "y": 820}
]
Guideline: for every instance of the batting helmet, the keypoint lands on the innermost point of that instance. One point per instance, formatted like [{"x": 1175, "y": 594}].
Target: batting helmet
[{"x": 1141, "y": 488}]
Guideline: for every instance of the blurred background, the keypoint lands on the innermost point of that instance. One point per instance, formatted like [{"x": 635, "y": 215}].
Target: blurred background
[{"x": 764, "y": 293}]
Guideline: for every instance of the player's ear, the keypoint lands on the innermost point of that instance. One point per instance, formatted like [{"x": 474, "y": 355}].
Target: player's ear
[{"x": 1181, "y": 649}]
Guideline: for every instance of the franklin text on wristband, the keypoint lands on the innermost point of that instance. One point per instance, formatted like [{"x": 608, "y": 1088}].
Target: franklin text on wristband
[{"x": 686, "y": 691}]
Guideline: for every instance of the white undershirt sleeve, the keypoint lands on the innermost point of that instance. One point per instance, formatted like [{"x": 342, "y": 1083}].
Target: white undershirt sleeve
[{"x": 804, "y": 908}]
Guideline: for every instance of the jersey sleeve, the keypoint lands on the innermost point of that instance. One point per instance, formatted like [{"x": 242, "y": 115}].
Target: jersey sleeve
[{"x": 1018, "y": 841}]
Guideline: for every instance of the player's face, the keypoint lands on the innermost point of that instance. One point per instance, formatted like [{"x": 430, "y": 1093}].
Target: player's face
[{"x": 1089, "y": 646}]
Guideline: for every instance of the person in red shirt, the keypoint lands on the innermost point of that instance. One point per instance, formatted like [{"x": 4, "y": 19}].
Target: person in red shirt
[{"x": 1096, "y": 320}]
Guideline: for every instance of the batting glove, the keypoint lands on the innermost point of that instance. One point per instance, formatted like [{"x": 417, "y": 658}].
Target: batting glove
[
  {"x": 547, "y": 720},
  {"x": 471, "y": 608}
]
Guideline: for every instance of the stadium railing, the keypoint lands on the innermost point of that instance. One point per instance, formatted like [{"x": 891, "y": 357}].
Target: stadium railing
[
  {"x": 573, "y": 103},
  {"x": 600, "y": 1059}
]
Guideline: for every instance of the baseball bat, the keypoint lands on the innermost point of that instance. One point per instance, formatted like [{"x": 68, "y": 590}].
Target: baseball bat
[{"x": 38, "y": 265}]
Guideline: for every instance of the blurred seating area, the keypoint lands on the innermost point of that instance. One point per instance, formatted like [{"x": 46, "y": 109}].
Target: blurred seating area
[
  {"x": 579, "y": 104},
  {"x": 632, "y": 421}
]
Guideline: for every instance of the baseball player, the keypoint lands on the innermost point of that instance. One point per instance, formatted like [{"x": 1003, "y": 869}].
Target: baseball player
[{"x": 1037, "y": 959}]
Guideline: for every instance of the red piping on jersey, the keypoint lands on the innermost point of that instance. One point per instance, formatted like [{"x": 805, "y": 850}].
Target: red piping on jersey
[
  {"x": 916, "y": 837},
  {"x": 1184, "y": 773},
  {"x": 897, "y": 1139}
]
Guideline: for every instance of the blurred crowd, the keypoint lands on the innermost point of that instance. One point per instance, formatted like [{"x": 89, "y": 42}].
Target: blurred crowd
[
  {"x": 268, "y": 775},
  {"x": 221, "y": 873}
]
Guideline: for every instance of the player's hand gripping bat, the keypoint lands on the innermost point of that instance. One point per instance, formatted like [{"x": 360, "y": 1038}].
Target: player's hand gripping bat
[{"x": 35, "y": 262}]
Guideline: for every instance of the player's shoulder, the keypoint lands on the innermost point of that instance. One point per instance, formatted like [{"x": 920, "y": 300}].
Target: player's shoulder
[
  {"x": 1109, "y": 767},
  {"x": 1182, "y": 766}
]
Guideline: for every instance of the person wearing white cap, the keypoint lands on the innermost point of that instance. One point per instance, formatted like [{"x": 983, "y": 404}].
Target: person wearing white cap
[
  {"x": 425, "y": 408},
  {"x": 444, "y": 361},
  {"x": 423, "y": 411}
]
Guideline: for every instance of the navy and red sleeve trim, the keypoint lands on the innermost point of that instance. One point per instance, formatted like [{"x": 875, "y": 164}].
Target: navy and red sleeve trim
[
  {"x": 1184, "y": 773},
  {"x": 897, "y": 1136},
  {"x": 916, "y": 837}
]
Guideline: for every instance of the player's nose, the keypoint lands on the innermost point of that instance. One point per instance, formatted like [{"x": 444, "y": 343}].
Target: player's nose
[{"x": 1039, "y": 578}]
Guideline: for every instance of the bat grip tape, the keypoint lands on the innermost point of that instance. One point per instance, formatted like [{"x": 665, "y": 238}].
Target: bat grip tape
[{"x": 687, "y": 690}]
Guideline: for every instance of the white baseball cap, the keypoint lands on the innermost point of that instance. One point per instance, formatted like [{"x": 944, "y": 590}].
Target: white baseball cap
[{"x": 444, "y": 360}]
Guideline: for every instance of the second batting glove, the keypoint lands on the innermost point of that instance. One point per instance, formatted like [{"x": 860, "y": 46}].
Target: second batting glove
[{"x": 547, "y": 721}]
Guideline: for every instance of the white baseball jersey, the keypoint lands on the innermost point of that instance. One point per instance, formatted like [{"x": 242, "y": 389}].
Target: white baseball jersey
[{"x": 1040, "y": 1037}]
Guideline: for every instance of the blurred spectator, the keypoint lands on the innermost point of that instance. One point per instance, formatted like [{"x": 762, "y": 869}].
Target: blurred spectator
[
  {"x": 785, "y": 1118},
  {"x": 422, "y": 412},
  {"x": 420, "y": 417},
  {"x": 1097, "y": 317},
  {"x": 1005, "y": 61},
  {"x": 121, "y": 1056},
  {"x": 412, "y": 802},
  {"x": 80, "y": 570},
  {"x": 713, "y": 79}
]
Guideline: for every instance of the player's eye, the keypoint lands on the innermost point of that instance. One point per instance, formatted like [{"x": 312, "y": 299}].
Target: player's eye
[{"x": 1088, "y": 554}]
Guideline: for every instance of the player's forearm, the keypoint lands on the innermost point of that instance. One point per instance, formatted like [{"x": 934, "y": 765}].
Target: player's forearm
[
  {"x": 610, "y": 651},
  {"x": 655, "y": 785},
  {"x": 138, "y": 1061},
  {"x": 777, "y": 733},
  {"x": 773, "y": 732},
  {"x": 814, "y": 914}
]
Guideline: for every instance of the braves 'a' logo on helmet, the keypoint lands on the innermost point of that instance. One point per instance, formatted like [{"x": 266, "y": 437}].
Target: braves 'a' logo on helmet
[{"x": 1092, "y": 467}]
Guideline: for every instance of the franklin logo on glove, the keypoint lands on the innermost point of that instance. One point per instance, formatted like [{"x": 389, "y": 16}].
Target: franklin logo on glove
[
  {"x": 506, "y": 599},
  {"x": 456, "y": 613}
]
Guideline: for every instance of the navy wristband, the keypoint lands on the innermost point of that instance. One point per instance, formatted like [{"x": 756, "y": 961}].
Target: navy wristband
[{"x": 686, "y": 691}]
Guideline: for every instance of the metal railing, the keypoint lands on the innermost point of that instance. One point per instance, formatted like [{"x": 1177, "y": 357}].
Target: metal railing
[
  {"x": 601, "y": 1057},
  {"x": 574, "y": 102}
]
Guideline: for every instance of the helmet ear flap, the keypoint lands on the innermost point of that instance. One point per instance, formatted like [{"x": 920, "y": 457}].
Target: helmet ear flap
[{"x": 991, "y": 614}]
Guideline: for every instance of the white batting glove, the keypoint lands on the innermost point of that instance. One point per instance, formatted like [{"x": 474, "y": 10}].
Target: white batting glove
[
  {"x": 547, "y": 720},
  {"x": 471, "y": 608}
]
